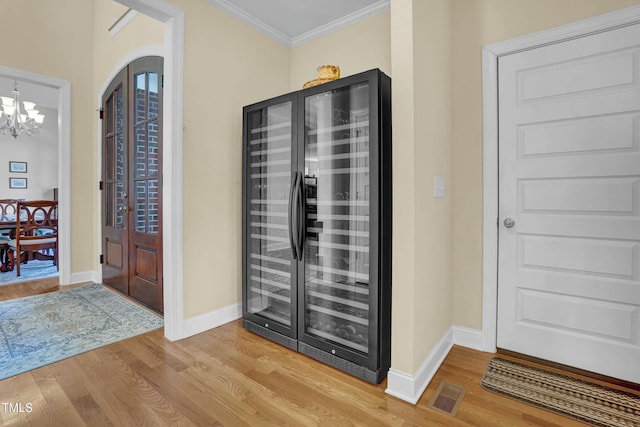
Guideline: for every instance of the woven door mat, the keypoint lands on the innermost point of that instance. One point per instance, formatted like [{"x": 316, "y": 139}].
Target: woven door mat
[{"x": 582, "y": 400}]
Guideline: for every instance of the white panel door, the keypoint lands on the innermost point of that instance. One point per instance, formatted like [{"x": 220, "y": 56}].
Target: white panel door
[{"x": 569, "y": 178}]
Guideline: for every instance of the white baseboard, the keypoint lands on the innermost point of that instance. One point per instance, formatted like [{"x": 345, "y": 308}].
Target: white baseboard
[
  {"x": 83, "y": 276},
  {"x": 191, "y": 326},
  {"x": 467, "y": 337},
  {"x": 203, "y": 322},
  {"x": 410, "y": 387}
]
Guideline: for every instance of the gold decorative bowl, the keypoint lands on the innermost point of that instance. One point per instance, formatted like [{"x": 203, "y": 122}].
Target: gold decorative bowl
[{"x": 326, "y": 73}]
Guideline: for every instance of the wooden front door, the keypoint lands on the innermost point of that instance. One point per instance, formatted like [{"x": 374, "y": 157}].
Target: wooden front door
[{"x": 131, "y": 182}]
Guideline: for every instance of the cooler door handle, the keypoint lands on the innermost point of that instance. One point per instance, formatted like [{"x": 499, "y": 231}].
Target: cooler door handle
[
  {"x": 301, "y": 222},
  {"x": 292, "y": 237}
]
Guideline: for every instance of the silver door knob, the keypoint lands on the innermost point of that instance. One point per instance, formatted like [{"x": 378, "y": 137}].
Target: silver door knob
[{"x": 508, "y": 222}]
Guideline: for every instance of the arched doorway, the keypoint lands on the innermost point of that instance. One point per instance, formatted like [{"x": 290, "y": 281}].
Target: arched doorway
[{"x": 131, "y": 183}]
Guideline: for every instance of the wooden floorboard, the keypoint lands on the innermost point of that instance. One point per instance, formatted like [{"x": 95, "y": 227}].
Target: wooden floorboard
[
  {"x": 25, "y": 289},
  {"x": 229, "y": 376}
]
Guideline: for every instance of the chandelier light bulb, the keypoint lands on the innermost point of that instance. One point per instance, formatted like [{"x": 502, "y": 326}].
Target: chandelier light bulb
[
  {"x": 7, "y": 101},
  {"x": 28, "y": 105}
]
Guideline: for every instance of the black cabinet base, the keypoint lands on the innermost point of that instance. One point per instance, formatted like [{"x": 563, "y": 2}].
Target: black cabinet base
[
  {"x": 270, "y": 335},
  {"x": 373, "y": 377}
]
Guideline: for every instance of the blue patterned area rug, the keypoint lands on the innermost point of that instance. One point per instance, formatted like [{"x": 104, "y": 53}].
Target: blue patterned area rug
[
  {"x": 33, "y": 270},
  {"x": 42, "y": 329}
]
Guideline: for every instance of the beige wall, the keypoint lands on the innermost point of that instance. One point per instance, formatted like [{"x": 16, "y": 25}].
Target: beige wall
[
  {"x": 403, "y": 242},
  {"x": 359, "y": 47},
  {"x": 432, "y": 157},
  {"x": 109, "y": 53},
  {"x": 420, "y": 44},
  {"x": 227, "y": 65},
  {"x": 476, "y": 23},
  {"x": 40, "y": 152},
  {"x": 55, "y": 40}
]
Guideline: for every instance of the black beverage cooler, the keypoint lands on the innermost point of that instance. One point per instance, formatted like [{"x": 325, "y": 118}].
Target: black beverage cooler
[{"x": 317, "y": 222}]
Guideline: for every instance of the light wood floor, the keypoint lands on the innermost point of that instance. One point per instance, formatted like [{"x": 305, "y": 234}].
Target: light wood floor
[
  {"x": 228, "y": 376},
  {"x": 25, "y": 289}
]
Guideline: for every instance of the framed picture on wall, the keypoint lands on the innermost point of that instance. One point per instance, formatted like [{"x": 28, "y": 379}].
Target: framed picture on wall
[
  {"x": 17, "y": 167},
  {"x": 20, "y": 183}
]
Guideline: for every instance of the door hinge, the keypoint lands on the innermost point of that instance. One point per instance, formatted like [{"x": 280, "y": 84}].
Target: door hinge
[
  {"x": 101, "y": 113},
  {"x": 101, "y": 259},
  {"x": 101, "y": 185}
]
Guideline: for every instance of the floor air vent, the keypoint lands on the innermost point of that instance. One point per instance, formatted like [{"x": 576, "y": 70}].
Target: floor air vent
[{"x": 447, "y": 398}]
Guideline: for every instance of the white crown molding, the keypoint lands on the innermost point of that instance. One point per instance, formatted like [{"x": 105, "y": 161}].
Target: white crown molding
[
  {"x": 357, "y": 16},
  {"x": 345, "y": 21},
  {"x": 251, "y": 20}
]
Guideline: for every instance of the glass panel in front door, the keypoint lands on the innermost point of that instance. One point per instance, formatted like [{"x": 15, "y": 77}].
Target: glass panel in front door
[
  {"x": 115, "y": 161},
  {"x": 270, "y": 258},
  {"x": 147, "y": 152},
  {"x": 336, "y": 251}
]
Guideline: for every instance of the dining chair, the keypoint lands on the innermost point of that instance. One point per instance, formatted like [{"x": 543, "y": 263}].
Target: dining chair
[
  {"x": 8, "y": 208},
  {"x": 36, "y": 232},
  {"x": 7, "y": 226}
]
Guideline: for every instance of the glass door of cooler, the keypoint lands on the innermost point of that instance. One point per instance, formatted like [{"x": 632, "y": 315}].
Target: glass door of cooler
[
  {"x": 270, "y": 282},
  {"x": 337, "y": 181}
]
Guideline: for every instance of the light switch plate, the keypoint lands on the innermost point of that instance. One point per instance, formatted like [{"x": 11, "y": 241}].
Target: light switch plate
[{"x": 438, "y": 186}]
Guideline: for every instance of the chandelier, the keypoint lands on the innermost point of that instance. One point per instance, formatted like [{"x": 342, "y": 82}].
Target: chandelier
[{"x": 16, "y": 119}]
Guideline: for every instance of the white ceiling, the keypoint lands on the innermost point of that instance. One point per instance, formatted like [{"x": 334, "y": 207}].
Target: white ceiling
[
  {"x": 294, "y": 22},
  {"x": 42, "y": 95}
]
